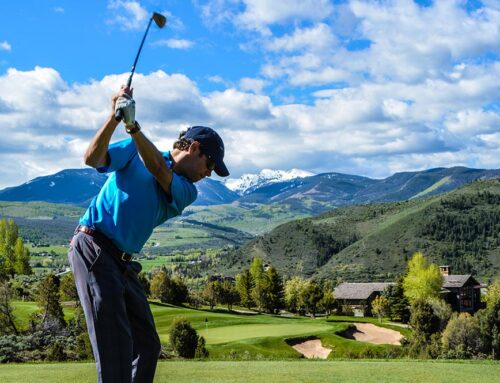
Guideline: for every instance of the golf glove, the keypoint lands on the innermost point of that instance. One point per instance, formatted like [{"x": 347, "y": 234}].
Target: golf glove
[{"x": 126, "y": 105}]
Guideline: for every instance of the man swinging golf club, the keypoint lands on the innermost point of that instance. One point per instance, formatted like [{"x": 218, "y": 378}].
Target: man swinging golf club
[{"x": 145, "y": 188}]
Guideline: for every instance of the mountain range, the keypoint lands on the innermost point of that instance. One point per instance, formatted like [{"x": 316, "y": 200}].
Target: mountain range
[
  {"x": 304, "y": 193},
  {"x": 373, "y": 242}
]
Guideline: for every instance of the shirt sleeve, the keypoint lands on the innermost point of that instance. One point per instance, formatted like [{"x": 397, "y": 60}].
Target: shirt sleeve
[
  {"x": 183, "y": 193},
  {"x": 120, "y": 153}
]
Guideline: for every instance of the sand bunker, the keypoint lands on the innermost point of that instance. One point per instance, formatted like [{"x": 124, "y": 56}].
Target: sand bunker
[
  {"x": 312, "y": 349},
  {"x": 367, "y": 332}
]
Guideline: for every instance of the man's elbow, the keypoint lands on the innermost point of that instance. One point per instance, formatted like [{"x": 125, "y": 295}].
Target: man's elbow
[{"x": 94, "y": 162}]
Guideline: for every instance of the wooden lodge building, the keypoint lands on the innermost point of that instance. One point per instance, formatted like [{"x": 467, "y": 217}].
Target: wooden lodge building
[
  {"x": 462, "y": 292},
  {"x": 359, "y": 296}
]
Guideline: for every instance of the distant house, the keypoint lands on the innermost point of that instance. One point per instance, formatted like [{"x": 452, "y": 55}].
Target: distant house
[
  {"x": 462, "y": 292},
  {"x": 359, "y": 296}
]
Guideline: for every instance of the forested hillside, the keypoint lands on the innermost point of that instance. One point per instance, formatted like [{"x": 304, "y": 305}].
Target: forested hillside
[{"x": 374, "y": 242}]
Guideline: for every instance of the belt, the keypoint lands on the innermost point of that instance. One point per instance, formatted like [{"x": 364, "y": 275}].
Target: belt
[{"x": 105, "y": 241}]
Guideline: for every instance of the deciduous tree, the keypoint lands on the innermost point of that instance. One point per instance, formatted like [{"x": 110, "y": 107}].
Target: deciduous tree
[{"x": 423, "y": 280}]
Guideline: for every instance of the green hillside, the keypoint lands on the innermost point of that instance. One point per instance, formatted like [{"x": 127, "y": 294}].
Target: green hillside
[{"x": 374, "y": 242}]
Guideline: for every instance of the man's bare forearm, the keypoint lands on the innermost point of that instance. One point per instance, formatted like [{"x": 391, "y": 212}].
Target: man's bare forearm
[
  {"x": 97, "y": 151},
  {"x": 153, "y": 160}
]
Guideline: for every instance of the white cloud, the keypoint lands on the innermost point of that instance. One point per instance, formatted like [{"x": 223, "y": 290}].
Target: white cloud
[
  {"x": 175, "y": 43},
  {"x": 5, "y": 46},
  {"x": 252, "y": 84},
  {"x": 316, "y": 38},
  {"x": 128, "y": 14},
  {"x": 59, "y": 9},
  {"x": 422, "y": 94},
  {"x": 259, "y": 14}
]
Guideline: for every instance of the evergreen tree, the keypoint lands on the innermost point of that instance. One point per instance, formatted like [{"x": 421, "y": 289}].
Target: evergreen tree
[
  {"x": 274, "y": 294},
  {"x": 399, "y": 307},
  {"x": 244, "y": 287},
  {"x": 68, "y": 288},
  {"x": 48, "y": 300},
  {"x": 425, "y": 325}
]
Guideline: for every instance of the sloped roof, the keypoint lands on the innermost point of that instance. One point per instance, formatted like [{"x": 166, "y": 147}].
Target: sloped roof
[
  {"x": 358, "y": 290},
  {"x": 456, "y": 280}
]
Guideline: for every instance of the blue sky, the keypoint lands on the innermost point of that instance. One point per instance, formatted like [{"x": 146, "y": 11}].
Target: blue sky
[{"x": 360, "y": 87}]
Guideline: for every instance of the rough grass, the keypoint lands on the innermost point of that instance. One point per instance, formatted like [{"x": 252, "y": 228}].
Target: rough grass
[{"x": 272, "y": 371}]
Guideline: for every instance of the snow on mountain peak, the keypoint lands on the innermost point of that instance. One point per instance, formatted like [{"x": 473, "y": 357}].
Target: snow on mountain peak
[{"x": 249, "y": 182}]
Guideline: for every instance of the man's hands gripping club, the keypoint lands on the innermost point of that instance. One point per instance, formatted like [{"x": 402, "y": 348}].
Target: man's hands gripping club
[{"x": 124, "y": 106}]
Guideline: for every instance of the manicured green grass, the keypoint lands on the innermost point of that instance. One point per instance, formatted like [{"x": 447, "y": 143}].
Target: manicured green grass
[
  {"x": 24, "y": 310},
  {"x": 274, "y": 371}
]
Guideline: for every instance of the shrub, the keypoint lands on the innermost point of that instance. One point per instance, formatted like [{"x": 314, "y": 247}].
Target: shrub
[
  {"x": 201, "y": 350},
  {"x": 183, "y": 338},
  {"x": 461, "y": 338}
]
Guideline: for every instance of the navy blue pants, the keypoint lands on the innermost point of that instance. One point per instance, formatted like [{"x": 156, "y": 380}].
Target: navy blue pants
[{"x": 122, "y": 332}]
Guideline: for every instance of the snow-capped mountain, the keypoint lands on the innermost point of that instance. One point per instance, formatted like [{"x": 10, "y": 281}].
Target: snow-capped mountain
[{"x": 249, "y": 182}]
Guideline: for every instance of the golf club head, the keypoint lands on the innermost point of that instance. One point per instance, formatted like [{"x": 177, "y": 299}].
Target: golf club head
[{"x": 159, "y": 19}]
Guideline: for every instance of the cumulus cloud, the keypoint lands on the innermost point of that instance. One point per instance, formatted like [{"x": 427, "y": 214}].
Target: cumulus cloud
[
  {"x": 389, "y": 86},
  {"x": 175, "y": 43},
  {"x": 127, "y": 14},
  {"x": 5, "y": 46}
]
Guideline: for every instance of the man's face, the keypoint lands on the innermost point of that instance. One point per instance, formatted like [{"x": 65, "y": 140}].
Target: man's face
[{"x": 199, "y": 165}]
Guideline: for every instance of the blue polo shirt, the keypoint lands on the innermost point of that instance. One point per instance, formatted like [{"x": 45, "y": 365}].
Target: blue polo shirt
[{"x": 132, "y": 203}]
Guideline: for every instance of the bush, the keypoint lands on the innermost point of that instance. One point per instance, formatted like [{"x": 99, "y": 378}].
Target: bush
[
  {"x": 461, "y": 338},
  {"x": 183, "y": 338},
  {"x": 83, "y": 347},
  {"x": 56, "y": 352},
  {"x": 201, "y": 350}
]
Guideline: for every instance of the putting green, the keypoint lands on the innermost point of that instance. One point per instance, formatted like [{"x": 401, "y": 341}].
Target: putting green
[{"x": 236, "y": 333}]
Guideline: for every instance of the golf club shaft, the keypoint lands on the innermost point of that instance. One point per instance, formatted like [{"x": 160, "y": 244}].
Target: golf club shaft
[
  {"x": 160, "y": 20},
  {"x": 129, "y": 82}
]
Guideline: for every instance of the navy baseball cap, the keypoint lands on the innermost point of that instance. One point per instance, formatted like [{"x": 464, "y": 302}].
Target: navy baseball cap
[{"x": 211, "y": 145}]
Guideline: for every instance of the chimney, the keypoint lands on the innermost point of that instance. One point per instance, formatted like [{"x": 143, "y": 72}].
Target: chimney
[{"x": 445, "y": 270}]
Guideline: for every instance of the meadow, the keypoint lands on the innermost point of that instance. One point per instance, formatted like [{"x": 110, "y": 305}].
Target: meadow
[{"x": 343, "y": 371}]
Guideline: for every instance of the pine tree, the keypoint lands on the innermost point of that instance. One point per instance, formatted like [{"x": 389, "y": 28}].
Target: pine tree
[
  {"x": 244, "y": 287},
  {"x": 274, "y": 291},
  {"x": 48, "y": 299}
]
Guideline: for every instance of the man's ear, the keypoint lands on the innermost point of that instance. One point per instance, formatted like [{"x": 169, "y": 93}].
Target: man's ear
[{"x": 195, "y": 145}]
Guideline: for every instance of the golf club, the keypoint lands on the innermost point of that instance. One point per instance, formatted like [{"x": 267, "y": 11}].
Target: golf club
[{"x": 160, "y": 21}]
